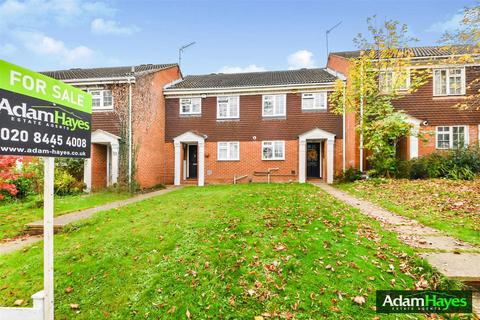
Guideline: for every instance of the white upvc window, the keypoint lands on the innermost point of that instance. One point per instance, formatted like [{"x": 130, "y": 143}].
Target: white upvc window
[
  {"x": 273, "y": 150},
  {"x": 228, "y": 150},
  {"x": 101, "y": 99},
  {"x": 452, "y": 137},
  {"x": 191, "y": 105},
  {"x": 228, "y": 107},
  {"x": 389, "y": 80},
  {"x": 314, "y": 101},
  {"x": 448, "y": 81},
  {"x": 274, "y": 105}
]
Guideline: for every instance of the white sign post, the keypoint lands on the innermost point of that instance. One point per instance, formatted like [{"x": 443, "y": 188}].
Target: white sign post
[{"x": 49, "y": 171}]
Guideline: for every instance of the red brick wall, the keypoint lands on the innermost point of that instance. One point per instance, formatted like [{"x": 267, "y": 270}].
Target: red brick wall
[
  {"x": 250, "y": 161},
  {"x": 99, "y": 166},
  {"x": 149, "y": 139},
  {"x": 352, "y": 142}
]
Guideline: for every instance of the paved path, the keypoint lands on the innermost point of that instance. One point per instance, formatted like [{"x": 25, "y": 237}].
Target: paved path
[
  {"x": 35, "y": 229},
  {"x": 454, "y": 258}
]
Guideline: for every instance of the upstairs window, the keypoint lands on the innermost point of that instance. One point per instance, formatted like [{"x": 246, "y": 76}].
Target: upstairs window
[
  {"x": 102, "y": 99},
  {"x": 228, "y": 151},
  {"x": 273, "y": 150},
  {"x": 390, "y": 80},
  {"x": 190, "y": 106},
  {"x": 453, "y": 137},
  {"x": 449, "y": 81},
  {"x": 274, "y": 105},
  {"x": 228, "y": 107},
  {"x": 314, "y": 101}
]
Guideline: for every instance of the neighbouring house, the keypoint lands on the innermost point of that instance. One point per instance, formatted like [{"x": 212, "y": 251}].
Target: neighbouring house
[
  {"x": 258, "y": 126},
  {"x": 433, "y": 108},
  {"x": 115, "y": 91}
]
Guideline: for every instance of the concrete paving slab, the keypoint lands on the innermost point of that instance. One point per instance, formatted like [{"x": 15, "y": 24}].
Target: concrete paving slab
[
  {"x": 18, "y": 244},
  {"x": 435, "y": 242},
  {"x": 413, "y": 229},
  {"x": 463, "y": 266}
]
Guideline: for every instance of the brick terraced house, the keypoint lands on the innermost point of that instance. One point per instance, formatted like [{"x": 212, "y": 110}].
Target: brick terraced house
[
  {"x": 432, "y": 108},
  {"x": 260, "y": 126},
  {"x": 113, "y": 91}
]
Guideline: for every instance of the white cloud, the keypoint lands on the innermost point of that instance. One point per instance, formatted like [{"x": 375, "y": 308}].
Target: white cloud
[
  {"x": 40, "y": 44},
  {"x": 301, "y": 59},
  {"x": 249, "y": 68},
  {"x": 450, "y": 24},
  {"x": 7, "y": 49},
  {"x": 38, "y": 13},
  {"x": 101, "y": 26}
]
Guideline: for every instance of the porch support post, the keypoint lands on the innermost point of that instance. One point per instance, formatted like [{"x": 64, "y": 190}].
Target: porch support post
[
  {"x": 302, "y": 149},
  {"x": 114, "y": 159},
  {"x": 201, "y": 163},
  {"x": 177, "y": 163},
  {"x": 87, "y": 174},
  {"x": 330, "y": 152},
  {"x": 413, "y": 138}
]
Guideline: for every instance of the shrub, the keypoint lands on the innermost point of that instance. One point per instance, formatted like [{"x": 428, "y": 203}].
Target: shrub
[
  {"x": 15, "y": 181},
  {"x": 461, "y": 164},
  {"x": 66, "y": 184},
  {"x": 350, "y": 175}
]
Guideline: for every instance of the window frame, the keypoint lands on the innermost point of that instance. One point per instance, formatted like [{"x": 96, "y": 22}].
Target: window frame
[
  {"x": 274, "y": 158},
  {"x": 315, "y": 94},
  {"x": 393, "y": 80},
  {"x": 447, "y": 84},
  {"x": 102, "y": 106},
  {"x": 229, "y": 144},
  {"x": 189, "y": 113},
  {"x": 450, "y": 136},
  {"x": 275, "y": 115},
  {"x": 228, "y": 117}
]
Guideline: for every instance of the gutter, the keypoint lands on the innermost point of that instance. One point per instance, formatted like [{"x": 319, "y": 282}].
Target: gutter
[{"x": 200, "y": 91}]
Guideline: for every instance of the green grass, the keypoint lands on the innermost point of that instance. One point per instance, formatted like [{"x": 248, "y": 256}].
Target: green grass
[
  {"x": 448, "y": 206},
  {"x": 221, "y": 252},
  {"x": 14, "y": 215}
]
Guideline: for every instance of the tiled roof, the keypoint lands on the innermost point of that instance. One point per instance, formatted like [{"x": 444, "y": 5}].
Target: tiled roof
[
  {"x": 418, "y": 52},
  {"x": 255, "y": 79},
  {"x": 103, "y": 73}
]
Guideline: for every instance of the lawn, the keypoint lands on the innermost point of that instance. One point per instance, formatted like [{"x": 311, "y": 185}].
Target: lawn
[
  {"x": 446, "y": 205},
  {"x": 14, "y": 215},
  {"x": 222, "y": 252}
]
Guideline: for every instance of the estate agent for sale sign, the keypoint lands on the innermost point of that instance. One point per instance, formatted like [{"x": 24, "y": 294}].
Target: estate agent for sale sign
[{"x": 40, "y": 116}]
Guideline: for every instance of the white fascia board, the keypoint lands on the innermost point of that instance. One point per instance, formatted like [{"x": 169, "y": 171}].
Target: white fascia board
[
  {"x": 248, "y": 90},
  {"x": 337, "y": 74},
  {"x": 94, "y": 81}
]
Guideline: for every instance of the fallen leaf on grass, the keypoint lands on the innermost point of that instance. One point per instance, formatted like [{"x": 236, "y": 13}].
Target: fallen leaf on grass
[
  {"x": 188, "y": 314},
  {"x": 68, "y": 290},
  {"x": 359, "y": 300},
  {"x": 19, "y": 302},
  {"x": 74, "y": 306}
]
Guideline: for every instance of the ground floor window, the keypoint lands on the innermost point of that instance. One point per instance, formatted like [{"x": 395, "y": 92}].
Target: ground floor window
[
  {"x": 228, "y": 150},
  {"x": 273, "y": 150},
  {"x": 451, "y": 137}
]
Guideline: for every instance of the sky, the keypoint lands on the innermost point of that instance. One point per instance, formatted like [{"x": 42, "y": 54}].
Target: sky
[{"x": 229, "y": 35}]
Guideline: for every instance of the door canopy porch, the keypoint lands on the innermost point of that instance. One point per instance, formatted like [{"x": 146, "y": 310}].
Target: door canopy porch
[
  {"x": 190, "y": 137},
  {"x": 112, "y": 141},
  {"x": 312, "y": 135}
]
